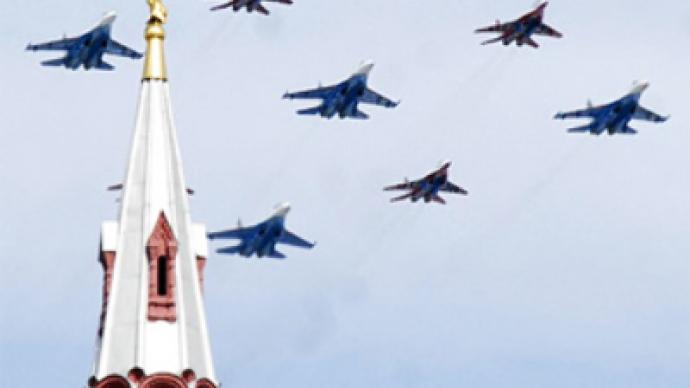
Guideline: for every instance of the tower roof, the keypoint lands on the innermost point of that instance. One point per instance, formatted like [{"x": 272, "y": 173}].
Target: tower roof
[{"x": 154, "y": 319}]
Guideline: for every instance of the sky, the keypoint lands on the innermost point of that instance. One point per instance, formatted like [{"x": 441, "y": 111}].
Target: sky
[{"x": 567, "y": 265}]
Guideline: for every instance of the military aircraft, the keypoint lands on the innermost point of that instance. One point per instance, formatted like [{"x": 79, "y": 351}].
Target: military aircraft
[
  {"x": 615, "y": 116},
  {"x": 251, "y": 5},
  {"x": 261, "y": 239},
  {"x": 344, "y": 97},
  {"x": 88, "y": 49},
  {"x": 120, "y": 186},
  {"x": 428, "y": 187},
  {"x": 521, "y": 30}
]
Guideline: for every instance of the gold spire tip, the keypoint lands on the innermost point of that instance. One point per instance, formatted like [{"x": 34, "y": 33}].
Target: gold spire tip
[{"x": 154, "y": 61}]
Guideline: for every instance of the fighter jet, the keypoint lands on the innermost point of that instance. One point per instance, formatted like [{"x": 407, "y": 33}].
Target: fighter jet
[
  {"x": 251, "y": 5},
  {"x": 120, "y": 186},
  {"x": 261, "y": 239},
  {"x": 521, "y": 30},
  {"x": 344, "y": 97},
  {"x": 428, "y": 187},
  {"x": 615, "y": 116},
  {"x": 88, "y": 48}
]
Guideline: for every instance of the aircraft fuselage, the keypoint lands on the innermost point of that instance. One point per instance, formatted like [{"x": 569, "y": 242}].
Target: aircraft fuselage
[
  {"x": 617, "y": 115},
  {"x": 251, "y": 5},
  {"x": 89, "y": 49},
  {"x": 429, "y": 187},
  {"x": 344, "y": 99},
  {"x": 263, "y": 242},
  {"x": 523, "y": 30}
]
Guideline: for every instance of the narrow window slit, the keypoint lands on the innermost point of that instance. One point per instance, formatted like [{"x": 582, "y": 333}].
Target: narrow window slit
[{"x": 162, "y": 275}]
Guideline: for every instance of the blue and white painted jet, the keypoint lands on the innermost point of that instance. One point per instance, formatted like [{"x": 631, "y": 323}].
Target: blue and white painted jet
[
  {"x": 250, "y": 5},
  {"x": 261, "y": 239},
  {"x": 88, "y": 48},
  {"x": 615, "y": 116},
  {"x": 343, "y": 99},
  {"x": 428, "y": 188}
]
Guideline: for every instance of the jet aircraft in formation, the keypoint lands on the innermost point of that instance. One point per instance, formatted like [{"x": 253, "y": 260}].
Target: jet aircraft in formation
[
  {"x": 521, "y": 30},
  {"x": 250, "y": 5},
  {"x": 261, "y": 239},
  {"x": 88, "y": 48},
  {"x": 615, "y": 116},
  {"x": 428, "y": 187},
  {"x": 343, "y": 99},
  {"x": 120, "y": 186}
]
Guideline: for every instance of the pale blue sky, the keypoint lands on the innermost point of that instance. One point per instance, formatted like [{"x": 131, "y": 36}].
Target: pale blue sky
[{"x": 567, "y": 266}]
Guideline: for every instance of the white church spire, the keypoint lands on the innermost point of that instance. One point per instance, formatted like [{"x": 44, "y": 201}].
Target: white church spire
[{"x": 153, "y": 328}]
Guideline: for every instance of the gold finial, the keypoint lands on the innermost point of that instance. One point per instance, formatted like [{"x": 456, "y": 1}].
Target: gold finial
[
  {"x": 158, "y": 11},
  {"x": 154, "y": 62}
]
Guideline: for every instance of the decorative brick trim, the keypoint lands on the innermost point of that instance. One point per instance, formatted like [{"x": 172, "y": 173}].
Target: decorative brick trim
[
  {"x": 162, "y": 250},
  {"x": 205, "y": 383},
  {"x": 200, "y": 266},
  {"x": 136, "y": 374},
  {"x": 162, "y": 380},
  {"x": 107, "y": 259},
  {"x": 188, "y": 375},
  {"x": 112, "y": 381},
  {"x": 158, "y": 380}
]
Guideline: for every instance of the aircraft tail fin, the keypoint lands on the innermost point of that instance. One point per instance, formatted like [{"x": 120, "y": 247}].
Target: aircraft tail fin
[
  {"x": 437, "y": 198},
  {"x": 230, "y": 250},
  {"x": 360, "y": 115},
  {"x": 531, "y": 42},
  {"x": 102, "y": 65},
  {"x": 260, "y": 8},
  {"x": 54, "y": 62},
  {"x": 277, "y": 255},
  {"x": 310, "y": 111}
]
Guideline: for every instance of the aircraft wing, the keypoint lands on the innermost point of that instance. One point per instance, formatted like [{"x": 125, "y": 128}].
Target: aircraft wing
[
  {"x": 646, "y": 114},
  {"x": 239, "y": 233},
  {"x": 223, "y": 6},
  {"x": 587, "y": 112},
  {"x": 371, "y": 97},
  {"x": 401, "y": 186},
  {"x": 498, "y": 27},
  {"x": 116, "y": 48},
  {"x": 545, "y": 29},
  {"x": 320, "y": 92},
  {"x": 62, "y": 44},
  {"x": 453, "y": 188},
  {"x": 290, "y": 238}
]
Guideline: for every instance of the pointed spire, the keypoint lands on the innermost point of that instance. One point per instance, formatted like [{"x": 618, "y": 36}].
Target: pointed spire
[
  {"x": 154, "y": 63},
  {"x": 153, "y": 330}
]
